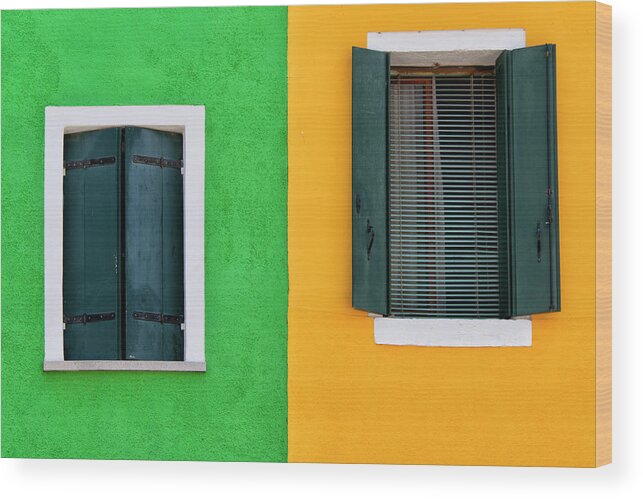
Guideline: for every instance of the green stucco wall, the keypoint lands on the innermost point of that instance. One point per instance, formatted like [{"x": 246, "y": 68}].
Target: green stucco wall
[{"x": 233, "y": 61}]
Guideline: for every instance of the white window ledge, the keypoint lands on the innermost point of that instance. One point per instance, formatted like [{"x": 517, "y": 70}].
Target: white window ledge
[
  {"x": 123, "y": 365},
  {"x": 453, "y": 332}
]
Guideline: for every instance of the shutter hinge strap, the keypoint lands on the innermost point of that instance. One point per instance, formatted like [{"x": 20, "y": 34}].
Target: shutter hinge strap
[
  {"x": 85, "y": 318},
  {"x": 154, "y": 317},
  {"x": 88, "y": 163},
  {"x": 550, "y": 208},
  {"x": 154, "y": 161}
]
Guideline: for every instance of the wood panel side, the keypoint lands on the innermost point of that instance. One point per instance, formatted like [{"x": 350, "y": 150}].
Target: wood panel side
[{"x": 603, "y": 234}]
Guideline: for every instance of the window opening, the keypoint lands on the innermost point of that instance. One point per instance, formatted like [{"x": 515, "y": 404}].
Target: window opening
[{"x": 443, "y": 249}]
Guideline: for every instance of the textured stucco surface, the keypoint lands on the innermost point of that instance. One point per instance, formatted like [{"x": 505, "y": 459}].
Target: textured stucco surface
[
  {"x": 351, "y": 400},
  {"x": 233, "y": 61}
]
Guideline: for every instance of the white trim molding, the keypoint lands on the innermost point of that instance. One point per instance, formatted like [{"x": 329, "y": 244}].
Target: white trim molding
[
  {"x": 457, "y": 47},
  {"x": 453, "y": 332},
  {"x": 443, "y": 40},
  {"x": 188, "y": 120},
  {"x": 123, "y": 365}
]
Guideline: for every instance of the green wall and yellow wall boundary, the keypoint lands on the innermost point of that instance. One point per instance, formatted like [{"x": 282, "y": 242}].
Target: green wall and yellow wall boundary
[{"x": 293, "y": 373}]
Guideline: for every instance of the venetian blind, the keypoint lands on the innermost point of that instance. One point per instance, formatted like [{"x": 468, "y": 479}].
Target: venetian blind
[{"x": 443, "y": 248}]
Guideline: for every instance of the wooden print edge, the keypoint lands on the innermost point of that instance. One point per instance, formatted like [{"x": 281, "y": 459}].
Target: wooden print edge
[{"x": 603, "y": 234}]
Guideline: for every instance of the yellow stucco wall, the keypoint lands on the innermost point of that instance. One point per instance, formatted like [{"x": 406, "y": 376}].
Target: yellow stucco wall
[{"x": 353, "y": 401}]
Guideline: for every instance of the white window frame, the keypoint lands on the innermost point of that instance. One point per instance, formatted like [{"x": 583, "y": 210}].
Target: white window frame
[
  {"x": 448, "y": 48},
  {"x": 188, "y": 120}
]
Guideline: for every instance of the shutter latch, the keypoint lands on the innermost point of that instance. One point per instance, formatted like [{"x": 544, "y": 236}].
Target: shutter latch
[
  {"x": 550, "y": 209},
  {"x": 85, "y": 318},
  {"x": 370, "y": 230},
  {"x": 154, "y": 317}
]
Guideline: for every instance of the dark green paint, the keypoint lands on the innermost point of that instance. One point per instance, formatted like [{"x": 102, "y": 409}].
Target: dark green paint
[
  {"x": 172, "y": 295},
  {"x": 370, "y": 180},
  {"x": 91, "y": 246},
  {"x": 527, "y": 177},
  {"x": 153, "y": 199},
  {"x": 123, "y": 245},
  {"x": 503, "y": 90}
]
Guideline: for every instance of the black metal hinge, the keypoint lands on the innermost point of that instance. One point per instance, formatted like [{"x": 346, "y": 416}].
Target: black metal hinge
[
  {"x": 84, "y": 318},
  {"x": 154, "y": 161},
  {"x": 88, "y": 163},
  {"x": 154, "y": 317}
]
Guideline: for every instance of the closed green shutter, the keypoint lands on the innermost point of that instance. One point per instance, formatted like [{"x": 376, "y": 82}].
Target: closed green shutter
[
  {"x": 153, "y": 240},
  {"x": 91, "y": 245},
  {"x": 370, "y": 182},
  {"x": 527, "y": 181}
]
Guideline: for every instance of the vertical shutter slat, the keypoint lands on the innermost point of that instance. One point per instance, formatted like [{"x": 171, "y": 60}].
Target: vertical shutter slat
[
  {"x": 91, "y": 246},
  {"x": 173, "y": 276},
  {"x": 153, "y": 267},
  {"x": 527, "y": 176},
  {"x": 370, "y": 186}
]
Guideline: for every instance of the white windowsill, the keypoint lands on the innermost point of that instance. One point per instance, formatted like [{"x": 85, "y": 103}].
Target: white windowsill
[
  {"x": 122, "y": 365},
  {"x": 453, "y": 332}
]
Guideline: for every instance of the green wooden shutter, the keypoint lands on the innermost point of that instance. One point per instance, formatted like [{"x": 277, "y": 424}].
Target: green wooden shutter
[
  {"x": 370, "y": 182},
  {"x": 527, "y": 181},
  {"x": 173, "y": 283},
  {"x": 91, "y": 245},
  {"x": 153, "y": 240}
]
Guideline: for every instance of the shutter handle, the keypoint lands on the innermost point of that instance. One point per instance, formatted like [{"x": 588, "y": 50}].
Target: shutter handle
[
  {"x": 370, "y": 230},
  {"x": 538, "y": 240}
]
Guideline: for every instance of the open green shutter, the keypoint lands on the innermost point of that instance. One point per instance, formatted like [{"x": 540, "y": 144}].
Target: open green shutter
[
  {"x": 527, "y": 181},
  {"x": 153, "y": 204},
  {"x": 370, "y": 182},
  {"x": 91, "y": 245}
]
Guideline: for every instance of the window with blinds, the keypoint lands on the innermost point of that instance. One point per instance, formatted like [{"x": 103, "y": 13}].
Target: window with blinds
[
  {"x": 455, "y": 186},
  {"x": 443, "y": 247}
]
